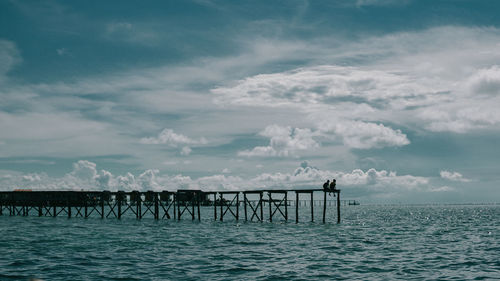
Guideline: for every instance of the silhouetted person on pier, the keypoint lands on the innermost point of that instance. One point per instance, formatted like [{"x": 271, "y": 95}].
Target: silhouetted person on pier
[
  {"x": 326, "y": 185},
  {"x": 333, "y": 184}
]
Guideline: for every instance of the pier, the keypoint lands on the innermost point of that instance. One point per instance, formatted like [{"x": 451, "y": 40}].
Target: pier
[{"x": 169, "y": 204}]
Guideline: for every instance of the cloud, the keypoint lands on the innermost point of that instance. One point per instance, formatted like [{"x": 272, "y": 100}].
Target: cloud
[
  {"x": 85, "y": 175},
  {"x": 62, "y": 51},
  {"x": 9, "y": 57},
  {"x": 169, "y": 137},
  {"x": 186, "y": 150},
  {"x": 284, "y": 141},
  {"x": 312, "y": 177},
  {"x": 28, "y": 161},
  {"x": 443, "y": 188},
  {"x": 137, "y": 33},
  {"x": 486, "y": 81},
  {"x": 453, "y": 176},
  {"x": 364, "y": 135},
  {"x": 408, "y": 83}
]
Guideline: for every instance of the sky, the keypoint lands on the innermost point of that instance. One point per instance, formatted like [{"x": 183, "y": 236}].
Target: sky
[{"x": 396, "y": 99}]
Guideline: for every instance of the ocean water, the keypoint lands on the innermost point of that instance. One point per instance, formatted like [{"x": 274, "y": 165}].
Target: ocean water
[{"x": 456, "y": 242}]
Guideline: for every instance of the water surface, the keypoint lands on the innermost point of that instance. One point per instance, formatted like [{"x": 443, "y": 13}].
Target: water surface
[{"x": 372, "y": 242}]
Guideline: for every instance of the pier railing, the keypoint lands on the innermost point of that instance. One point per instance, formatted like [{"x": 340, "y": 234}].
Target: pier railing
[{"x": 168, "y": 204}]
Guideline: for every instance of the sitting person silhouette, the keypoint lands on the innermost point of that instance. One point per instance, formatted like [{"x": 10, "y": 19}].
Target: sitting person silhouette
[
  {"x": 326, "y": 185},
  {"x": 333, "y": 184}
]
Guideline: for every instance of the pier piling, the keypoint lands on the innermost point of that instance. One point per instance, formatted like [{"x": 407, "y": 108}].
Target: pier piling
[
  {"x": 338, "y": 206},
  {"x": 296, "y": 207},
  {"x": 312, "y": 207},
  {"x": 324, "y": 206}
]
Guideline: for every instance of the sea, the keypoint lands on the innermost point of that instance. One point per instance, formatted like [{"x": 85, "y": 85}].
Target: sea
[{"x": 373, "y": 242}]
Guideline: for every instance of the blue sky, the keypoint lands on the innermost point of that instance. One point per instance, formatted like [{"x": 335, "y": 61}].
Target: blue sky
[{"x": 396, "y": 99}]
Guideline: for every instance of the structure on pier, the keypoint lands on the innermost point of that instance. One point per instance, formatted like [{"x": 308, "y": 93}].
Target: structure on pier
[{"x": 161, "y": 205}]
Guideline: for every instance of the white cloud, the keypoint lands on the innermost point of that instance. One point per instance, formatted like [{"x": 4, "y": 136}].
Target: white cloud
[
  {"x": 453, "y": 176},
  {"x": 486, "y": 81},
  {"x": 284, "y": 141},
  {"x": 363, "y": 135},
  {"x": 169, "y": 137},
  {"x": 443, "y": 188},
  {"x": 411, "y": 83},
  {"x": 313, "y": 177},
  {"x": 186, "y": 150},
  {"x": 86, "y": 176}
]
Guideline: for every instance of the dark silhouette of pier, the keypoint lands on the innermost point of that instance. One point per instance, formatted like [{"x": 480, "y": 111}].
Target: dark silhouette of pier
[{"x": 165, "y": 204}]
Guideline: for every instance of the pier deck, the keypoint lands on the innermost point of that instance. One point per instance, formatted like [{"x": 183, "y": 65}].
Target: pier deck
[{"x": 162, "y": 204}]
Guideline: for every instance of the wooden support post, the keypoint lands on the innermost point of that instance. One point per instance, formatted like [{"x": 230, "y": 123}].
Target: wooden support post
[
  {"x": 55, "y": 213},
  {"x": 192, "y": 205},
  {"x": 198, "y": 203},
  {"x": 68, "y": 204},
  {"x": 261, "y": 207},
  {"x": 245, "y": 204},
  {"x": 312, "y": 206},
  {"x": 40, "y": 210},
  {"x": 296, "y": 207},
  {"x": 215, "y": 205},
  {"x": 157, "y": 209},
  {"x": 221, "y": 204},
  {"x": 139, "y": 206},
  {"x": 338, "y": 206},
  {"x": 324, "y": 206},
  {"x": 286, "y": 206},
  {"x": 86, "y": 209},
  {"x": 102, "y": 207},
  {"x": 237, "y": 206},
  {"x": 137, "y": 209},
  {"x": 1, "y": 208},
  {"x": 119, "y": 202},
  {"x": 270, "y": 207},
  {"x": 178, "y": 207}
]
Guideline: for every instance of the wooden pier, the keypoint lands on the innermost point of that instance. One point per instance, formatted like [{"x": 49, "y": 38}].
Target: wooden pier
[{"x": 165, "y": 204}]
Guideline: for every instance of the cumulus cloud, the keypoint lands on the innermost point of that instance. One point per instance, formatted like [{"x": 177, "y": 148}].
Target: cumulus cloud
[
  {"x": 371, "y": 178},
  {"x": 364, "y": 135},
  {"x": 453, "y": 176},
  {"x": 186, "y": 150},
  {"x": 172, "y": 139},
  {"x": 169, "y": 137},
  {"x": 85, "y": 175},
  {"x": 486, "y": 81},
  {"x": 322, "y": 93},
  {"x": 427, "y": 89},
  {"x": 284, "y": 141}
]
